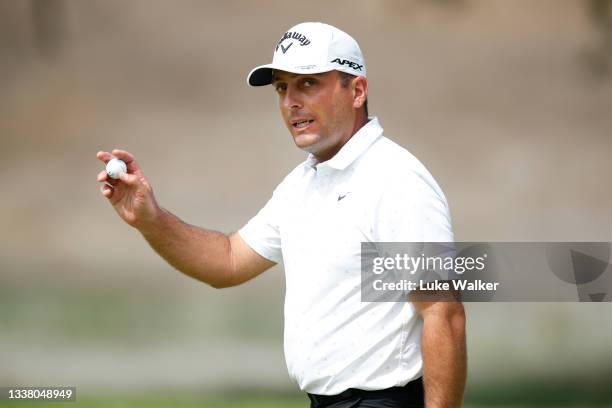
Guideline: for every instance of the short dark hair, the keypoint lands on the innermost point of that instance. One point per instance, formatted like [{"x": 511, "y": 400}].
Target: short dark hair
[{"x": 345, "y": 80}]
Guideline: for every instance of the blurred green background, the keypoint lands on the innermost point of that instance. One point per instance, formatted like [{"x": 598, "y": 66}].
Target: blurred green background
[{"x": 507, "y": 102}]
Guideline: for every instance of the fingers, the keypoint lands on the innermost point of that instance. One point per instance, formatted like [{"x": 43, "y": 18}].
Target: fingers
[
  {"x": 129, "y": 179},
  {"x": 104, "y": 178},
  {"x": 106, "y": 190},
  {"x": 123, "y": 155},
  {"x": 128, "y": 158},
  {"x": 118, "y": 153},
  {"x": 104, "y": 156}
]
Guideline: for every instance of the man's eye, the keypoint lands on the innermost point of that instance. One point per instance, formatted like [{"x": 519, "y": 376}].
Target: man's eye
[
  {"x": 280, "y": 88},
  {"x": 308, "y": 83}
]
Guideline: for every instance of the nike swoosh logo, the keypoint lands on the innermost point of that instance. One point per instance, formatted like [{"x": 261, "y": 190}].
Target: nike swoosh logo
[
  {"x": 340, "y": 197},
  {"x": 285, "y": 49}
]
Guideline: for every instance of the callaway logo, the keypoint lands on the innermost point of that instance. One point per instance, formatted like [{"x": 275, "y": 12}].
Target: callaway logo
[
  {"x": 351, "y": 64},
  {"x": 284, "y": 49},
  {"x": 303, "y": 40}
]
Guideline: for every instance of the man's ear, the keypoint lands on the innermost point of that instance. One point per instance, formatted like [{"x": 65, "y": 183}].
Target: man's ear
[{"x": 360, "y": 91}]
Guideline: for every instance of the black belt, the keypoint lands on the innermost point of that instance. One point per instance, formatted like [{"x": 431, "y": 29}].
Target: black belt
[{"x": 413, "y": 390}]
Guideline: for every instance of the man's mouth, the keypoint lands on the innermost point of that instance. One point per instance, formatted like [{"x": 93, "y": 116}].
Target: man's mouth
[{"x": 301, "y": 123}]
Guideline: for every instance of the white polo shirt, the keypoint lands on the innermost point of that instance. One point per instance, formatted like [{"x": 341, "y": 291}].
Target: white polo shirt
[{"x": 372, "y": 190}]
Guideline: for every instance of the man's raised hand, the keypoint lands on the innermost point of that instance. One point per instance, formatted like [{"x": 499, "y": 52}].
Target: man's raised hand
[{"x": 131, "y": 195}]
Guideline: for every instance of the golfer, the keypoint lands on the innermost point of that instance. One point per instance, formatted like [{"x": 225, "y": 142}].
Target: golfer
[{"x": 355, "y": 186}]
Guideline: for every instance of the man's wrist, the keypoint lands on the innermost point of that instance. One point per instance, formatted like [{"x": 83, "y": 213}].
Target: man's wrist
[{"x": 151, "y": 225}]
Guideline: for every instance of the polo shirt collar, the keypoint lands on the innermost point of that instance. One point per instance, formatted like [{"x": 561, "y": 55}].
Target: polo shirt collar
[{"x": 355, "y": 147}]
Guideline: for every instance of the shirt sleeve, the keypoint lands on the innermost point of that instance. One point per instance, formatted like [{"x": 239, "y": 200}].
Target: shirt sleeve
[{"x": 262, "y": 232}]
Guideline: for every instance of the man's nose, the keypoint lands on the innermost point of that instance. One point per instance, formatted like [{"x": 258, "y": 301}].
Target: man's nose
[{"x": 292, "y": 99}]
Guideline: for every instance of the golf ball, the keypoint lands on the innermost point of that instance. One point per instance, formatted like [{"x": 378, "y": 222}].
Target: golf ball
[{"x": 115, "y": 167}]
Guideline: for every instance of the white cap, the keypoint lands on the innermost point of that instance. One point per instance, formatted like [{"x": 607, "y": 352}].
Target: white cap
[{"x": 312, "y": 48}]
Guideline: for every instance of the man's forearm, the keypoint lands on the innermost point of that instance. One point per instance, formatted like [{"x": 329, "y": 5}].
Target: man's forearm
[
  {"x": 444, "y": 360},
  {"x": 202, "y": 254}
]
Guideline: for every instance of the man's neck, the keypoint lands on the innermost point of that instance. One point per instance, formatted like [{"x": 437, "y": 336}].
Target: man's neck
[{"x": 361, "y": 121}]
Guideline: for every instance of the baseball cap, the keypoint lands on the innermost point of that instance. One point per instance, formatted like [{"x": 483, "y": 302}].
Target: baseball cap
[{"x": 311, "y": 48}]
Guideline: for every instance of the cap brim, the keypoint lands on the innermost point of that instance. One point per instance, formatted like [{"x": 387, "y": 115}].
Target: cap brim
[{"x": 262, "y": 75}]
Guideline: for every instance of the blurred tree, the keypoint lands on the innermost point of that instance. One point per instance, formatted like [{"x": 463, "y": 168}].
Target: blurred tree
[
  {"x": 409, "y": 6},
  {"x": 13, "y": 33},
  {"x": 600, "y": 58},
  {"x": 49, "y": 23}
]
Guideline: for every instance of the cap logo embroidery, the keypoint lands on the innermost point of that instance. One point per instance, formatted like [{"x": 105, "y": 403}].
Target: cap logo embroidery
[
  {"x": 284, "y": 49},
  {"x": 303, "y": 40},
  {"x": 351, "y": 64}
]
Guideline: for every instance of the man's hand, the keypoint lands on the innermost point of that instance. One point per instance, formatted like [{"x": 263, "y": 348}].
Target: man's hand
[
  {"x": 209, "y": 256},
  {"x": 131, "y": 195},
  {"x": 443, "y": 346}
]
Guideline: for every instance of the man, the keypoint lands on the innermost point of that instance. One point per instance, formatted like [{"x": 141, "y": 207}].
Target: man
[{"x": 355, "y": 186}]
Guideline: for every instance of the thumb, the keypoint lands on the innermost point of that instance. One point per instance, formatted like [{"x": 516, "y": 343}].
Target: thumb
[{"x": 129, "y": 179}]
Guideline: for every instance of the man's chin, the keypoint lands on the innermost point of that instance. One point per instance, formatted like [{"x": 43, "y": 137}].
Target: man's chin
[{"x": 306, "y": 141}]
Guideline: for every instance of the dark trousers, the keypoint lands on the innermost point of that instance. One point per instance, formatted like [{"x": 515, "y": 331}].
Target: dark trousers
[{"x": 411, "y": 395}]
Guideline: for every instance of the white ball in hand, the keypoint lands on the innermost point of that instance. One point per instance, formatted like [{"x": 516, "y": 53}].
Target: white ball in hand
[{"x": 115, "y": 167}]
